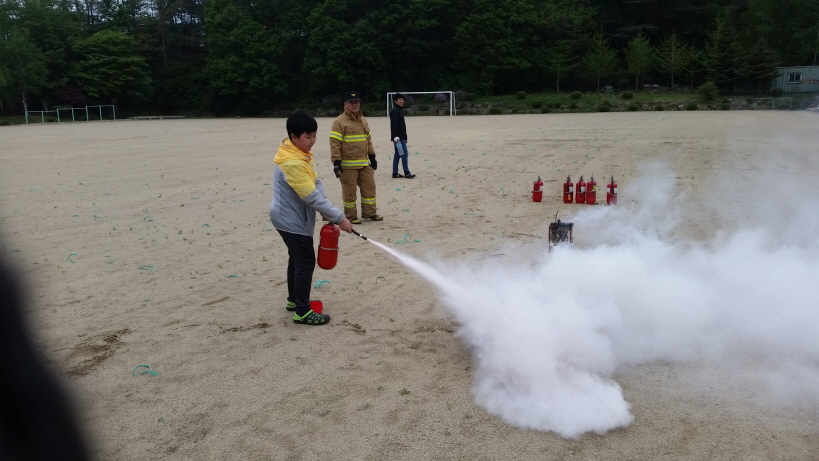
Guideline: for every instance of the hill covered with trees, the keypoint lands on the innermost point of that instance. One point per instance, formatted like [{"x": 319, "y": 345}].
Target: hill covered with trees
[{"x": 246, "y": 57}]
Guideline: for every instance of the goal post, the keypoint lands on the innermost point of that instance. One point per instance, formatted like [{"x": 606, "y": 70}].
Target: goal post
[
  {"x": 90, "y": 113},
  {"x": 780, "y": 103},
  {"x": 449, "y": 94}
]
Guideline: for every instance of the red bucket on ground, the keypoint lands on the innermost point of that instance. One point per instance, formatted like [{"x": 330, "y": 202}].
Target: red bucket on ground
[{"x": 317, "y": 306}]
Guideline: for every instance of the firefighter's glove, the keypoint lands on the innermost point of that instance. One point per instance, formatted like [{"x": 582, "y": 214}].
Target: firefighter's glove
[
  {"x": 373, "y": 163},
  {"x": 337, "y": 168},
  {"x": 396, "y": 139}
]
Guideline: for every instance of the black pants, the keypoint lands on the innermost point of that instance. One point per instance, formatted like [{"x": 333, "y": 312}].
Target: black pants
[{"x": 300, "y": 266}]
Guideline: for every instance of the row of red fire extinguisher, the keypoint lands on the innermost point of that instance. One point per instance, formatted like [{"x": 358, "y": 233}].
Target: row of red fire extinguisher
[{"x": 586, "y": 191}]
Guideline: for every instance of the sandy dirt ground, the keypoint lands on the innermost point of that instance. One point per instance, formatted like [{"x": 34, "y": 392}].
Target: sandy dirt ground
[{"x": 149, "y": 243}]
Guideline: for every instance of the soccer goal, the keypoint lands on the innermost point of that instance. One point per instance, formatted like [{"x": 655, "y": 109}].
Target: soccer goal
[
  {"x": 783, "y": 103},
  {"x": 450, "y": 95},
  {"x": 101, "y": 112}
]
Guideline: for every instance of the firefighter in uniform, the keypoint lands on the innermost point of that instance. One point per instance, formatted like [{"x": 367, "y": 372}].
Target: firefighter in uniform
[{"x": 353, "y": 156}]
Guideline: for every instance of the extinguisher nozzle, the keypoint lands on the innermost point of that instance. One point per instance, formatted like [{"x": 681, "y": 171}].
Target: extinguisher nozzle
[{"x": 356, "y": 233}]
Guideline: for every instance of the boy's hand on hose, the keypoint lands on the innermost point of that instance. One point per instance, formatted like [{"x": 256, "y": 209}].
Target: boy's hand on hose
[
  {"x": 346, "y": 225},
  {"x": 396, "y": 139}
]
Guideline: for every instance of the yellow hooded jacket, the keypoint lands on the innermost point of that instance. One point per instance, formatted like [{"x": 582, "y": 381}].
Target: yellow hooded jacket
[{"x": 298, "y": 193}]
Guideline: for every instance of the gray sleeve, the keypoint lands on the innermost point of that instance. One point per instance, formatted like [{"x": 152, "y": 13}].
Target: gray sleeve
[{"x": 318, "y": 200}]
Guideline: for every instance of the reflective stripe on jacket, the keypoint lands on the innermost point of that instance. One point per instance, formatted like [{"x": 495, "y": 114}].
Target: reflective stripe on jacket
[{"x": 350, "y": 141}]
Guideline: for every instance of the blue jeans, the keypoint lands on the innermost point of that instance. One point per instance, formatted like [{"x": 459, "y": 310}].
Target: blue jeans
[{"x": 400, "y": 151}]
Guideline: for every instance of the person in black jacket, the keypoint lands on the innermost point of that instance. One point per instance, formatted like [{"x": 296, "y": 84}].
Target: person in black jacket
[{"x": 398, "y": 132}]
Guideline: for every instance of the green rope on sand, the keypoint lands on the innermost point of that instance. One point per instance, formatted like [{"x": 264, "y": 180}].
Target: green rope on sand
[
  {"x": 232, "y": 276},
  {"x": 145, "y": 372},
  {"x": 69, "y": 257},
  {"x": 320, "y": 283},
  {"x": 147, "y": 219},
  {"x": 146, "y": 268}
]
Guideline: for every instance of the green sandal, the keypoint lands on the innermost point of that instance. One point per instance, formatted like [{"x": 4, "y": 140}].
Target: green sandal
[{"x": 311, "y": 318}]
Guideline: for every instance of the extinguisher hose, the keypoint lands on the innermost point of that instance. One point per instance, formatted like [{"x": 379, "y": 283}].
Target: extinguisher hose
[{"x": 356, "y": 233}]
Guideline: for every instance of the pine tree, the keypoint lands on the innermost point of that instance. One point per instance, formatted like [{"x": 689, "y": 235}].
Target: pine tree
[
  {"x": 723, "y": 61},
  {"x": 561, "y": 60},
  {"x": 601, "y": 59},
  {"x": 760, "y": 65},
  {"x": 639, "y": 57},
  {"x": 673, "y": 56},
  {"x": 694, "y": 65}
]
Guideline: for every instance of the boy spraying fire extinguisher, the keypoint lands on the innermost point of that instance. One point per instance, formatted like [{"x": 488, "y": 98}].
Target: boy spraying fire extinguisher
[{"x": 297, "y": 195}]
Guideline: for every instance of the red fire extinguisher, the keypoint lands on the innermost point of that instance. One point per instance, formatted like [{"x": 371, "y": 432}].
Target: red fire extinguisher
[
  {"x": 611, "y": 195},
  {"x": 591, "y": 192},
  {"x": 581, "y": 191},
  {"x": 568, "y": 190},
  {"x": 328, "y": 246},
  {"x": 537, "y": 190}
]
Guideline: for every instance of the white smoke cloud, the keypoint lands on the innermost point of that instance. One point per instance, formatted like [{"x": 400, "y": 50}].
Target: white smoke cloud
[{"x": 547, "y": 339}]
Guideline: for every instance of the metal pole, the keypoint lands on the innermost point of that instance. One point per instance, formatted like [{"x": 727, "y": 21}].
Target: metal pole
[
  {"x": 42, "y": 115},
  {"x": 100, "y": 113},
  {"x": 114, "y": 108},
  {"x": 26, "y": 117}
]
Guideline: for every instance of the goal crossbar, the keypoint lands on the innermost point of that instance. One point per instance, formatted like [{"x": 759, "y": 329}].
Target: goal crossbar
[{"x": 450, "y": 93}]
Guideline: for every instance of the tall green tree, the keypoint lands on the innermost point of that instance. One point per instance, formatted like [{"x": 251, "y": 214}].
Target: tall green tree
[
  {"x": 343, "y": 50},
  {"x": 50, "y": 26},
  {"x": 109, "y": 67},
  {"x": 490, "y": 41},
  {"x": 601, "y": 60},
  {"x": 673, "y": 55},
  {"x": 723, "y": 57},
  {"x": 791, "y": 28},
  {"x": 639, "y": 58},
  {"x": 561, "y": 31},
  {"x": 23, "y": 64},
  {"x": 760, "y": 66},
  {"x": 254, "y": 51},
  {"x": 694, "y": 67},
  {"x": 562, "y": 59}
]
